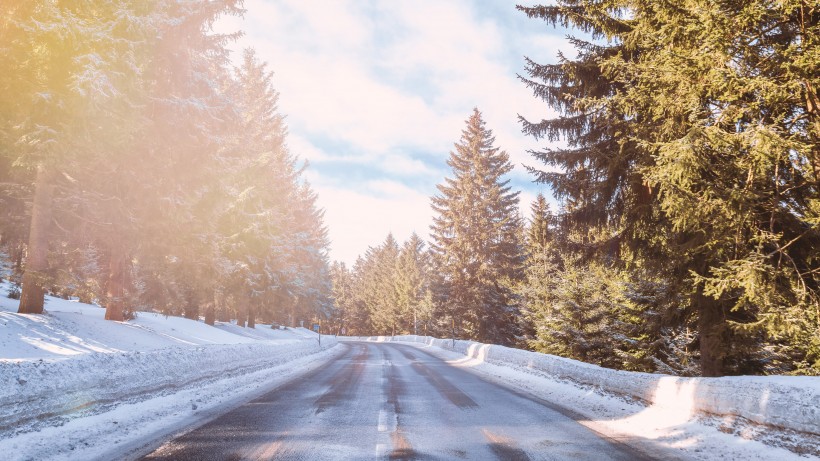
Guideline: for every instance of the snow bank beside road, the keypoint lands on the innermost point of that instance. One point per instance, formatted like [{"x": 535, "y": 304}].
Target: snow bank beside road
[
  {"x": 134, "y": 428},
  {"x": 39, "y": 390},
  {"x": 779, "y": 401},
  {"x": 71, "y": 361}
]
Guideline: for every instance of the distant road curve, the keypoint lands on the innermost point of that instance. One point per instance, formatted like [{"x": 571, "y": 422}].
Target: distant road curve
[{"x": 393, "y": 401}]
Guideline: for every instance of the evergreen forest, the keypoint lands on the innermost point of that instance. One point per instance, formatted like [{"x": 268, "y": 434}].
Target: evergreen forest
[
  {"x": 141, "y": 170},
  {"x": 144, "y": 170},
  {"x": 686, "y": 240}
]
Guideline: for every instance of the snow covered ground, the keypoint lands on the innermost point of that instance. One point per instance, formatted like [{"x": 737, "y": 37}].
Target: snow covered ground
[
  {"x": 75, "y": 386},
  {"x": 674, "y": 425}
]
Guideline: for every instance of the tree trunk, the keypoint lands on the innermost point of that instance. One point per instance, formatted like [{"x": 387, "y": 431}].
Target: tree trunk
[
  {"x": 222, "y": 312},
  {"x": 18, "y": 259},
  {"x": 241, "y": 312},
  {"x": 711, "y": 325},
  {"x": 191, "y": 310},
  {"x": 34, "y": 277},
  {"x": 114, "y": 309},
  {"x": 251, "y": 316},
  {"x": 292, "y": 314},
  {"x": 210, "y": 312}
]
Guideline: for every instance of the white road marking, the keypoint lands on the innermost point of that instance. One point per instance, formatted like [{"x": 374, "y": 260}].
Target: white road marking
[
  {"x": 382, "y": 421},
  {"x": 381, "y": 450}
]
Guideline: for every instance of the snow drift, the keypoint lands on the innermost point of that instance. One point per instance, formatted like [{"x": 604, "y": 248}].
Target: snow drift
[
  {"x": 786, "y": 402},
  {"x": 36, "y": 391},
  {"x": 72, "y": 361}
]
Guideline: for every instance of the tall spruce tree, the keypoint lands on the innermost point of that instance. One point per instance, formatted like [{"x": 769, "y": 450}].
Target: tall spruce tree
[
  {"x": 307, "y": 255},
  {"x": 359, "y": 319},
  {"x": 537, "y": 286},
  {"x": 378, "y": 286},
  {"x": 258, "y": 189},
  {"x": 157, "y": 189},
  {"x": 735, "y": 128},
  {"x": 542, "y": 226},
  {"x": 274, "y": 241},
  {"x": 476, "y": 239},
  {"x": 413, "y": 287},
  {"x": 692, "y": 137},
  {"x": 344, "y": 313},
  {"x": 66, "y": 89}
]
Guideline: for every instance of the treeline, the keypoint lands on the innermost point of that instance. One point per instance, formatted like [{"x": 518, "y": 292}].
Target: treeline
[
  {"x": 139, "y": 169},
  {"x": 387, "y": 291},
  {"x": 687, "y": 236},
  {"x": 463, "y": 284}
]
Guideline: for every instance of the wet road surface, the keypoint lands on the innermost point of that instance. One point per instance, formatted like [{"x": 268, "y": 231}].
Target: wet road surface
[{"x": 392, "y": 401}]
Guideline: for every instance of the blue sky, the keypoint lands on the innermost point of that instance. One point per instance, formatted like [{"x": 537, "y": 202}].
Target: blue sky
[{"x": 377, "y": 92}]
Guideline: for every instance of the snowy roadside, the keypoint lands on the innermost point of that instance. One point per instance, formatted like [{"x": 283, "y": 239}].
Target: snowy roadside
[
  {"x": 76, "y": 386},
  {"x": 654, "y": 429},
  {"x": 129, "y": 430},
  {"x": 38, "y": 393}
]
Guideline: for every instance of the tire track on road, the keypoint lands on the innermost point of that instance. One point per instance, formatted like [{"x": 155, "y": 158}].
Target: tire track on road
[
  {"x": 504, "y": 448},
  {"x": 445, "y": 388},
  {"x": 344, "y": 382},
  {"x": 393, "y": 389}
]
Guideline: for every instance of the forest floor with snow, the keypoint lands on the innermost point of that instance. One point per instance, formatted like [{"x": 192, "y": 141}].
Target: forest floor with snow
[{"x": 75, "y": 386}]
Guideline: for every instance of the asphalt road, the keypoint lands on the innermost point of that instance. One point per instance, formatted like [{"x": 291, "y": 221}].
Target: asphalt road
[{"x": 392, "y": 401}]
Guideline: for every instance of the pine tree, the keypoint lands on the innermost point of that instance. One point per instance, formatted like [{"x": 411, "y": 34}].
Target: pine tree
[
  {"x": 536, "y": 288},
  {"x": 412, "y": 282},
  {"x": 64, "y": 90},
  {"x": 275, "y": 243},
  {"x": 358, "y": 319},
  {"x": 692, "y": 136},
  {"x": 308, "y": 243},
  {"x": 541, "y": 229},
  {"x": 476, "y": 243},
  {"x": 158, "y": 188},
  {"x": 344, "y": 312},
  {"x": 378, "y": 286},
  {"x": 745, "y": 149},
  {"x": 257, "y": 186}
]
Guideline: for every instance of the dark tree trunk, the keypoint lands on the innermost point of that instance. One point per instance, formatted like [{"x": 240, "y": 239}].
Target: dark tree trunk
[
  {"x": 191, "y": 306},
  {"x": 210, "y": 313},
  {"x": 251, "y": 317},
  {"x": 241, "y": 312},
  {"x": 18, "y": 259},
  {"x": 114, "y": 309},
  {"x": 711, "y": 325},
  {"x": 191, "y": 312},
  {"x": 34, "y": 276},
  {"x": 223, "y": 314}
]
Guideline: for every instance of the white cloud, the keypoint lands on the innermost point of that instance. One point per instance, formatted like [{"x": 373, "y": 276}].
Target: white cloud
[
  {"x": 404, "y": 165},
  {"x": 390, "y": 189},
  {"x": 360, "y": 220},
  {"x": 303, "y": 148},
  {"x": 386, "y": 80}
]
